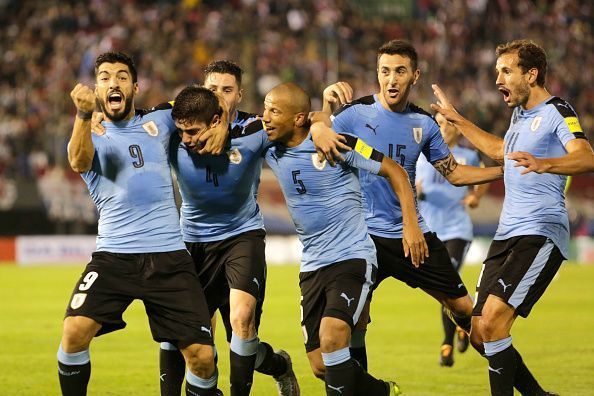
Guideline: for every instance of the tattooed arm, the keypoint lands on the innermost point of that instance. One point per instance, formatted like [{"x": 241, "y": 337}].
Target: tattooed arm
[{"x": 463, "y": 175}]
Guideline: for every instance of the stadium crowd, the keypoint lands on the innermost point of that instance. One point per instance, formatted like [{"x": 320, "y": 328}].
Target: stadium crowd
[{"x": 47, "y": 46}]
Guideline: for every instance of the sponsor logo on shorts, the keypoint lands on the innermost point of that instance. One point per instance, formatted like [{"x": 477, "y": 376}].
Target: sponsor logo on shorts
[
  {"x": 337, "y": 389},
  {"x": 206, "y": 330},
  {"x": 502, "y": 283},
  {"x": 498, "y": 371},
  {"x": 348, "y": 300}
]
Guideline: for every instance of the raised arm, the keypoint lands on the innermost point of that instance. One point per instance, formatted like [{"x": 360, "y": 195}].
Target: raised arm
[
  {"x": 335, "y": 95},
  {"x": 484, "y": 141},
  {"x": 80, "y": 147},
  {"x": 413, "y": 239},
  {"x": 579, "y": 159}
]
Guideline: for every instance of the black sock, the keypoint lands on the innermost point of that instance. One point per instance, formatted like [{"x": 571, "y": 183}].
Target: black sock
[
  {"x": 449, "y": 329},
  {"x": 172, "y": 368},
  {"x": 366, "y": 384},
  {"x": 524, "y": 381},
  {"x": 74, "y": 378},
  {"x": 358, "y": 349},
  {"x": 271, "y": 363},
  {"x": 465, "y": 322},
  {"x": 242, "y": 373},
  {"x": 502, "y": 366},
  {"x": 192, "y": 390},
  {"x": 340, "y": 379}
]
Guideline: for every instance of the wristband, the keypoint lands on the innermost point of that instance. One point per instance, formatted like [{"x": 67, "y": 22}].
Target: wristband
[{"x": 84, "y": 115}]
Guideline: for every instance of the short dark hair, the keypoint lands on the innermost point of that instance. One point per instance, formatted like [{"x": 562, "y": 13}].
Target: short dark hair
[
  {"x": 195, "y": 104},
  {"x": 399, "y": 47},
  {"x": 116, "y": 57},
  {"x": 530, "y": 56},
  {"x": 224, "y": 67}
]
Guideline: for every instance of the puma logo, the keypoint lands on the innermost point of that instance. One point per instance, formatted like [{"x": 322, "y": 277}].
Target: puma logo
[
  {"x": 498, "y": 371},
  {"x": 372, "y": 128},
  {"x": 161, "y": 377},
  {"x": 256, "y": 282},
  {"x": 206, "y": 330},
  {"x": 461, "y": 285},
  {"x": 337, "y": 389},
  {"x": 502, "y": 283},
  {"x": 343, "y": 295}
]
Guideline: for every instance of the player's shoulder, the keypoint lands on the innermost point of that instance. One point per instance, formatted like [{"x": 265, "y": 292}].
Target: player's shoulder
[
  {"x": 420, "y": 113},
  {"x": 364, "y": 103},
  {"x": 245, "y": 124},
  {"x": 561, "y": 106}
]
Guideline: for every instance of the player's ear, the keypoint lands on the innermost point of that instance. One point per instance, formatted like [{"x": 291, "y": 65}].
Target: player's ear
[
  {"x": 239, "y": 95},
  {"x": 416, "y": 75},
  {"x": 135, "y": 88},
  {"x": 532, "y": 75},
  {"x": 216, "y": 120},
  {"x": 300, "y": 119}
]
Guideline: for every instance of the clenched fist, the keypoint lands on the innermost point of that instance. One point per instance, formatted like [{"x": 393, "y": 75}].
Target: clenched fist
[{"x": 83, "y": 98}]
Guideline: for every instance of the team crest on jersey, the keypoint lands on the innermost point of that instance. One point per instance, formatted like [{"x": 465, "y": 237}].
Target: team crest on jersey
[
  {"x": 535, "y": 123},
  {"x": 151, "y": 128},
  {"x": 319, "y": 165},
  {"x": 78, "y": 300},
  {"x": 234, "y": 156},
  {"x": 418, "y": 134}
]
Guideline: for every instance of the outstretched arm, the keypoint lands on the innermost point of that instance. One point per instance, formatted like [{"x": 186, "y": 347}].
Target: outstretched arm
[
  {"x": 413, "y": 239},
  {"x": 464, "y": 175},
  {"x": 335, "y": 95},
  {"x": 579, "y": 159},
  {"x": 488, "y": 143},
  {"x": 80, "y": 147}
]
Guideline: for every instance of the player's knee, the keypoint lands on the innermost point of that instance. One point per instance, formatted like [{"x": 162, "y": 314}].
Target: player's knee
[
  {"x": 77, "y": 334},
  {"x": 200, "y": 359},
  {"x": 488, "y": 326},
  {"x": 243, "y": 321}
]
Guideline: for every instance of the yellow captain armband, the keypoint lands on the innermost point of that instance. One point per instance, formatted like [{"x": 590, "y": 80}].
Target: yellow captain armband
[
  {"x": 573, "y": 124},
  {"x": 364, "y": 149},
  {"x": 171, "y": 102}
]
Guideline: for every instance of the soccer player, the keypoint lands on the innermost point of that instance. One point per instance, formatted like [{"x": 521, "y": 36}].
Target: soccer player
[
  {"x": 393, "y": 125},
  {"x": 338, "y": 265},
  {"x": 544, "y": 143},
  {"x": 443, "y": 206},
  {"x": 223, "y": 228},
  {"x": 140, "y": 252}
]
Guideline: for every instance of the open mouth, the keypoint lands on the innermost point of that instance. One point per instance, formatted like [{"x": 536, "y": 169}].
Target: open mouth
[
  {"x": 505, "y": 92},
  {"x": 115, "y": 100},
  {"x": 393, "y": 92}
]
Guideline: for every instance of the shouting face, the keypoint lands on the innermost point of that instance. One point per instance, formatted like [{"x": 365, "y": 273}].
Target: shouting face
[{"x": 115, "y": 90}]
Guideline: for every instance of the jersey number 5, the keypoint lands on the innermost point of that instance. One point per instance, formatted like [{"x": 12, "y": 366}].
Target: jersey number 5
[{"x": 301, "y": 187}]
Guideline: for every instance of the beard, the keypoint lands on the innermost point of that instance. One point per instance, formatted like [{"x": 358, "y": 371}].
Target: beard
[{"x": 119, "y": 116}]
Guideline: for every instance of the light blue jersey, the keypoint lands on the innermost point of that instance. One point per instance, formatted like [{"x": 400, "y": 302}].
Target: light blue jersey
[
  {"x": 442, "y": 206},
  {"x": 325, "y": 202},
  {"x": 219, "y": 192},
  {"x": 403, "y": 137},
  {"x": 130, "y": 182},
  {"x": 534, "y": 203}
]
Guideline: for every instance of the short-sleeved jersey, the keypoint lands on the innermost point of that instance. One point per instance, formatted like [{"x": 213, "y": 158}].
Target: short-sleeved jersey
[
  {"x": 401, "y": 136},
  {"x": 130, "y": 182},
  {"x": 534, "y": 203},
  {"x": 325, "y": 201},
  {"x": 442, "y": 207},
  {"x": 219, "y": 192}
]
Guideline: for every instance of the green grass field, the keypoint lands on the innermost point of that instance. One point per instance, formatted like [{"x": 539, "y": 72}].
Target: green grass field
[{"x": 557, "y": 341}]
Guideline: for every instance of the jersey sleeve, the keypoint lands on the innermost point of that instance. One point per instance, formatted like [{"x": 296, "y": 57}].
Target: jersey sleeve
[
  {"x": 567, "y": 125},
  {"x": 435, "y": 148},
  {"x": 362, "y": 155}
]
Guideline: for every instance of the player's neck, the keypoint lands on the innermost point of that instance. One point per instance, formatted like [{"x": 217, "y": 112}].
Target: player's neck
[
  {"x": 298, "y": 136},
  {"x": 537, "y": 96}
]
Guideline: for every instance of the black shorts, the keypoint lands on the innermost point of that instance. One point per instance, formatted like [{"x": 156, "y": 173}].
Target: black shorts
[
  {"x": 234, "y": 263},
  {"x": 435, "y": 274},
  {"x": 457, "y": 249},
  {"x": 518, "y": 270},
  {"x": 338, "y": 290},
  {"x": 167, "y": 283}
]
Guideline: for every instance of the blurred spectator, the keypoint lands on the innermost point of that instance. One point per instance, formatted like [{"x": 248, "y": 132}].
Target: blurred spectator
[{"x": 48, "y": 46}]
